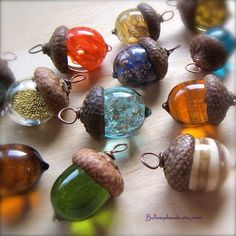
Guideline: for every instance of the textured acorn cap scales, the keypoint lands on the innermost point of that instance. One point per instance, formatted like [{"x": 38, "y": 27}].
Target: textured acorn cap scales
[
  {"x": 53, "y": 89},
  {"x": 56, "y": 49},
  {"x": 208, "y": 53},
  {"x": 101, "y": 168},
  {"x": 92, "y": 113},
  {"x": 218, "y": 99},
  {"x": 158, "y": 56},
  {"x": 178, "y": 160},
  {"x": 152, "y": 19}
]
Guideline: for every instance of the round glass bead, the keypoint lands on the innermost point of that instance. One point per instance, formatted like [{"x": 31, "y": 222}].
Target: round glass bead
[
  {"x": 131, "y": 26},
  {"x": 225, "y": 37},
  {"x": 125, "y": 112},
  {"x": 132, "y": 65},
  {"x": 86, "y": 48},
  {"x": 76, "y": 196},
  {"x": 25, "y": 105}
]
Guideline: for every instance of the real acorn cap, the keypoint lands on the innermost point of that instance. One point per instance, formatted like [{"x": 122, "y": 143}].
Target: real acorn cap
[
  {"x": 158, "y": 56},
  {"x": 53, "y": 89},
  {"x": 92, "y": 112},
  {"x": 152, "y": 19},
  {"x": 101, "y": 168},
  {"x": 208, "y": 53},
  {"x": 56, "y": 49}
]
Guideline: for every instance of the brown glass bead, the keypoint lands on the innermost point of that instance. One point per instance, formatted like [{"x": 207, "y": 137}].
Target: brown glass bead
[{"x": 20, "y": 168}]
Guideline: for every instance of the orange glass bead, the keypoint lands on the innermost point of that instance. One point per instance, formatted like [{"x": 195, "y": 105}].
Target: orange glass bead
[
  {"x": 187, "y": 103},
  {"x": 86, "y": 47}
]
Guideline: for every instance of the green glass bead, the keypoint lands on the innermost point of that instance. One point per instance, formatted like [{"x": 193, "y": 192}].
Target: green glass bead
[{"x": 76, "y": 196}]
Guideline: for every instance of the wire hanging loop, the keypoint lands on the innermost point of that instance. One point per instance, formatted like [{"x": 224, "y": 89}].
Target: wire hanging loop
[
  {"x": 193, "y": 68},
  {"x": 35, "y": 49},
  {"x": 172, "y": 49},
  {"x": 166, "y": 13},
  {"x": 160, "y": 159},
  {"x": 117, "y": 149},
  {"x": 9, "y": 56},
  {"x": 64, "y": 110},
  {"x": 172, "y": 3}
]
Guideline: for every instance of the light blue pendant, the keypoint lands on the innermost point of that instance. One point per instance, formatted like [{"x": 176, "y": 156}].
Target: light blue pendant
[{"x": 125, "y": 112}]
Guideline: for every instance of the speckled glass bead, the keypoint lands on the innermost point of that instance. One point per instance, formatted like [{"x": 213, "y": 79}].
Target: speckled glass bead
[
  {"x": 124, "y": 112},
  {"x": 133, "y": 65},
  {"x": 131, "y": 26},
  {"x": 225, "y": 37},
  {"x": 76, "y": 196}
]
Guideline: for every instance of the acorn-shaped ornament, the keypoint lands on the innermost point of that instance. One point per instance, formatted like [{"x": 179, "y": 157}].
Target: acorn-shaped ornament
[
  {"x": 141, "y": 64},
  {"x": 200, "y": 15},
  {"x": 211, "y": 50},
  {"x": 84, "y": 187},
  {"x": 34, "y": 101},
  {"x": 21, "y": 167},
  {"x": 199, "y": 102},
  {"x": 133, "y": 24},
  {"x": 113, "y": 113},
  {"x": 197, "y": 164},
  {"x": 78, "y": 49}
]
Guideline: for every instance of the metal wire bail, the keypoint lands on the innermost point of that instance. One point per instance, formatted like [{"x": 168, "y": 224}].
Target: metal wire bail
[
  {"x": 35, "y": 49},
  {"x": 76, "y": 111},
  {"x": 160, "y": 158},
  {"x": 171, "y": 13},
  {"x": 172, "y": 3},
  {"x": 111, "y": 153},
  {"x": 196, "y": 70},
  {"x": 9, "y": 56}
]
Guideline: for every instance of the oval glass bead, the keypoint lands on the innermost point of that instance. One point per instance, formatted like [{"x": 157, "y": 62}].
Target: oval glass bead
[
  {"x": 131, "y": 26},
  {"x": 125, "y": 112},
  {"x": 25, "y": 105},
  {"x": 76, "y": 196},
  {"x": 225, "y": 37},
  {"x": 132, "y": 65},
  {"x": 86, "y": 48},
  {"x": 20, "y": 168}
]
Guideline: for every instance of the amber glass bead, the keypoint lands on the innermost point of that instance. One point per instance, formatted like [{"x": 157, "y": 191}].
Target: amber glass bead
[
  {"x": 186, "y": 103},
  {"x": 131, "y": 26},
  {"x": 86, "y": 47},
  {"x": 210, "y": 13},
  {"x": 20, "y": 168}
]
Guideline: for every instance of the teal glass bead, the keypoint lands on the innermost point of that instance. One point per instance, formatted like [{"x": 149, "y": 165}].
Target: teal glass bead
[
  {"x": 225, "y": 37},
  {"x": 76, "y": 196},
  {"x": 125, "y": 112}
]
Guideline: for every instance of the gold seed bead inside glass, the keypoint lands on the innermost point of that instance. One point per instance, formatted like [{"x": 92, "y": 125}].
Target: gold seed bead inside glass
[{"x": 131, "y": 26}]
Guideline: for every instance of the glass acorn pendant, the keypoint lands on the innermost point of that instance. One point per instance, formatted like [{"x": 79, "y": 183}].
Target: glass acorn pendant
[
  {"x": 196, "y": 164},
  {"x": 133, "y": 24},
  {"x": 143, "y": 63},
  {"x": 78, "y": 49},
  {"x": 21, "y": 167},
  {"x": 32, "y": 102},
  {"x": 199, "y": 102},
  {"x": 113, "y": 113},
  {"x": 201, "y": 15},
  {"x": 211, "y": 50},
  {"x": 84, "y": 187}
]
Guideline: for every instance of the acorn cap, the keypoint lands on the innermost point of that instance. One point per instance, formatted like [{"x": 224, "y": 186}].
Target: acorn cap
[
  {"x": 218, "y": 99},
  {"x": 208, "y": 53},
  {"x": 187, "y": 10},
  {"x": 53, "y": 89},
  {"x": 92, "y": 113},
  {"x": 101, "y": 168},
  {"x": 152, "y": 19},
  {"x": 178, "y": 160},
  {"x": 7, "y": 77},
  {"x": 158, "y": 56},
  {"x": 56, "y": 49}
]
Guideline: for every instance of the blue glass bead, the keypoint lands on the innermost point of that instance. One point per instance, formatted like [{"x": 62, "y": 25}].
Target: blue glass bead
[
  {"x": 125, "y": 112},
  {"x": 223, "y": 72},
  {"x": 225, "y": 37},
  {"x": 132, "y": 66}
]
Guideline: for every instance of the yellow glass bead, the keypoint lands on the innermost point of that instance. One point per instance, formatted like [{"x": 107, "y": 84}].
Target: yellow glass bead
[
  {"x": 131, "y": 26},
  {"x": 210, "y": 13}
]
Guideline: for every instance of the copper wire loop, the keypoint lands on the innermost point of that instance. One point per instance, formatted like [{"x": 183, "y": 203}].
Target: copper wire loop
[
  {"x": 172, "y": 3},
  {"x": 9, "y": 56},
  {"x": 197, "y": 68},
  {"x": 172, "y": 49},
  {"x": 111, "y": 153},
  {"x": 34, "y": 49},
  {"x": 159, "y": 157},
  {"x": 167, "y": 12},
  {"x": 76, "y": 111},
  {"x": 81, "y": 77}
]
